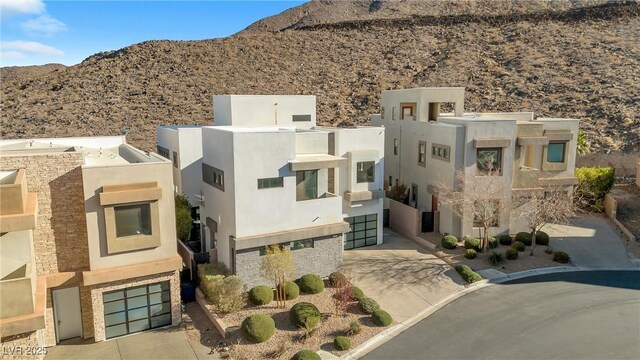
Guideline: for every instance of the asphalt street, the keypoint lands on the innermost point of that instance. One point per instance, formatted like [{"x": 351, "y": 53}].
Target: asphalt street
[{"x": 572, "y": 315}]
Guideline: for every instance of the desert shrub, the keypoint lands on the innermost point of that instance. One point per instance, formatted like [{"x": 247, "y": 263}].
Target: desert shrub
[
  {"x": 205, "y": 270},
  {"x": 280, "y": 350},
  {"x": 398, "y": 193},
  {"x": 548, "y": 251},
  {"x": 354, "y": 328},
  {"x": 472, "y": 243},
  {"x": 518, "y": 246},
  {"x": 470, "y": 254},
  {"x": 495, "y": 258},
  {"x": 291, "y": 290},
  {"x": 226, "y": 293},
  {"x": 542, "y": 238},
  {"x": 260, "y": 295},
  {"x": 449, "y": 242},
  {"x": 561, "y": 257},
  {"x": 381, "y": 318},
  {"x": 356, "y": 293},
  {"x": 492, "y": 242},
  {"x": 337, "y": 278},
  {"x": 524, "y": 237},
  {"x": 258, "y": 328},
  {"x": 304, "y": 314},
  {"x": 342, "y": 343},
  {"x": 311, "y": 284},
  {"x": 368, "y": 305},
  {"x": 505, "y": 239},
  {"x": 511, "y": 254},
  {"x": 468, "y": 274},
  {"x": 593, "y": 184},
  {"x": 306, "y": 355}
]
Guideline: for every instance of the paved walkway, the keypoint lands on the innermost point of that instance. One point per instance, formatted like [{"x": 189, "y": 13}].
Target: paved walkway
[{"x": 402, "y": 276}]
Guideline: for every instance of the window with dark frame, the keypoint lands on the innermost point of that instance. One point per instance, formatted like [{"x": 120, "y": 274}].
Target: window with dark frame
[
  {"x": 555, "y": 152},
  {"x": 440, "y": 152},
  {"x": 489, "y": 161},
  {"x": 365, "y": 171},
  {"x": 305, "y": 117},
  {"x": 267, "y": 183},
  {"x": 133, "y": 220},
  {"x": 292, "y": 245},
  {"x": 213, "y": 176},
  {"x": 363, "y": 231},
  {"x": 164, "y": 152},
  {"x": 395, "y": 146},
  {"x": 175, "y": 160},
  {"x": 491, "y": 214},
  {"x": 422, "y": 153}
]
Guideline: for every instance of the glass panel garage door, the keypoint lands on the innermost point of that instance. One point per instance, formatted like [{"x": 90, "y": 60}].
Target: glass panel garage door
[
  {"x": 363, "y": 231},
  {"x": 136, "y": 309}
]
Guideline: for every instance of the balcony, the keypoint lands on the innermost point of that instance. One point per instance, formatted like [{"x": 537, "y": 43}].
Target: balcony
[
  {"x": 18, "y": 208},
  {"x": 16, "y": 292},
  {"x": 526, "y": 178},
  {"x": 357, "y": 196}
]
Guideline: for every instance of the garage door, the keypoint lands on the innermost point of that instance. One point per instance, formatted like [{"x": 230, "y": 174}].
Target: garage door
[
  {"x": 363, "y": 231},
  {"x": 136, "y": 309}
]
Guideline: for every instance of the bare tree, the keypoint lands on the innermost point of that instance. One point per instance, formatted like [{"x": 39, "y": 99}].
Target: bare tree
[{"x": 277, "y": 265}]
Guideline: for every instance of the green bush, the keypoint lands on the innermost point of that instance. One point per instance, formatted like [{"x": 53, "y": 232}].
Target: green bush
[
  {"x": 542, "y": 238},
  {"x": 261, "y": 295},
  {"x": 505, "y": 239},
  {"x": 524, "y": 237},
  {"x": 593, "y": 184},
  {"x": 561, "y": 257},
  {"x": 381, "y": 318},
  {"x": 291, "y": 290},
  {"x": 511, "y": 254},
  {"x": 472, "y": 243},
  {"x": 311, "y": 284},
  {"x": 226, "y": 293},
  {"x": 258, "y": 328},
  {"x": 342, "y": 343},
  {"x": 468, "y": 274},
  {"x": 337, "y": 278},
  {"x": 304, "y": 314},
  {"x": 356, "y": 293},
  {"x": 495, "y": 258},
  {"x": 519, "y": 246},
  {"x": 184, "y": 222},
  {"x": 470, "y": 254},
  {"x": 368, "y": 305},
  {"x": 306, "y": 355},
  {"x": 492, "y": 242},
  {"x": 449, "y": 242}
]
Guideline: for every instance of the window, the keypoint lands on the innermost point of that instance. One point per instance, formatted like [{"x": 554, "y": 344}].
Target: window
[
  {"x": 363, "y": 231},
  {"x": 382, "y": 112},
  {"x": 306, "y": 185},
  {"x": 365, "y": 171},
  {"x": 422, "y": 153},
  {"x": 487, "y": 211},
  {"x": 270, "y": 182},
  {"x": 306, "y": 117},
  {"x": 407, "y": 110},
  {"x": 175, "y": 160},
  {"x": 164, "y": 152},
  {"x": 489, "y": 161},
  {"x": 213, "y": 176},
  {"x": 390, "y": 180},
  {"x": 301, "y": 244},
  {"x": 393, "y": 113},
  {"x": 555, "y": 152},
  {"x": 395, "y": 146},
  {"x": 133, "y": 220},
  {"x": 440, "y": 152}
]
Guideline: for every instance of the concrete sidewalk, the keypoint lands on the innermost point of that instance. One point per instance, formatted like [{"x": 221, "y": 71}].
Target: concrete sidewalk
[{"x": 402, "y": 276}]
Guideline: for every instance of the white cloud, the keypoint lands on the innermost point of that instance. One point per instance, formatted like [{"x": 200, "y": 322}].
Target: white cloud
[
  {"x": 12, "y": 55},
  {"x": 31, "y": 47},
  {"x": 43, "y": 24},
  {"x": 21, "y": 6}
]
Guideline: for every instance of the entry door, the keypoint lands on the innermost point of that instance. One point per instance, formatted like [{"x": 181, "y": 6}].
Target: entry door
[{"x": 66, "y": 309}]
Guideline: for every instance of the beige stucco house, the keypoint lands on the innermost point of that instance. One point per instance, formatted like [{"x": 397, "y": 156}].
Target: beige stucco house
[{"x": 87, "y": 244}]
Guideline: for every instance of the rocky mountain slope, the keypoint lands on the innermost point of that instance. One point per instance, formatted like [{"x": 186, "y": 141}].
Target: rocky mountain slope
[{"x": 581, "y": 63}]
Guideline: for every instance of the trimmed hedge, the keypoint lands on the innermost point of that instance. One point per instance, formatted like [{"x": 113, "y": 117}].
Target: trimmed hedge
[
  {"x": 291, "y": 290},
  {"x": 468, "y": 274},
  {"x": 472, "y": 243},
  {"x": 492, "y": 242},
  {"x": 260, "y": 295},
  {"x": 542, "y": 238},
  {"x": 304, "y": 314},
  {"x": 561, "y": 257},
  {"x": 368, "y": 305},
  {"x": 524, "y": 237},
  {"x": 356, "y": 293},
  {"x": 449, "y": 242},
  {"x": 337, "y": 278},
  {"x": 311, "y": 284},
  {"x": 258, "y": 328},
  {"x": 306, "y": 355},
  {"x": 470, "y": 254},
  {"x": 518, "y": 246},
  {"x": 342, "y": 343},
  {"x": 505, "y": 239},
  {"x": 511, "y": 254},
  {"x": 381, "y": 318}
]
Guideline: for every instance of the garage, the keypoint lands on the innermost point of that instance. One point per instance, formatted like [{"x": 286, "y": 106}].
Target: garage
[
  {"x": 136, "y": 309},
  {"x": 363, "y": 231}
]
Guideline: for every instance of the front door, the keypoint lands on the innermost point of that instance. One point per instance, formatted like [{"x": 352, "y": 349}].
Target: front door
[{"x": 66, "y": 310}]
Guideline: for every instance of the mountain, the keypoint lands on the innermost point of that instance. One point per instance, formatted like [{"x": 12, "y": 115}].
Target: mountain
[{"x": 572, "y": 61}]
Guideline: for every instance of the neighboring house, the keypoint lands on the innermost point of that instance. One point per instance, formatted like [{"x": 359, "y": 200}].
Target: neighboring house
[
  {"x": 429, "y": 139},
  {"x": 88, "y": 241}
]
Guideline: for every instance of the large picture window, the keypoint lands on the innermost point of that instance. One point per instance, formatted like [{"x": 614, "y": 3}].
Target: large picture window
[
  {"x": 306, "y": 185},
  {"x": 133, "y": 220},
  {"x": 366, "y": 171},
  {"x": 555, "y": 152},
  {"x": 489, "y": 161},
  {"x": 363, "y": 231}
]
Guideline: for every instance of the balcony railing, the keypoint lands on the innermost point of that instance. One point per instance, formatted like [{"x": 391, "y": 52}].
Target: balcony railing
[{"x": 16, "y": 292}]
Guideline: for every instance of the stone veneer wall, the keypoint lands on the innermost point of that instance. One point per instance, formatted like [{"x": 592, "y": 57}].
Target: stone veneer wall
[
  {"x": 323, "y": 259},
  {"x": 98, "y": 305},
  {"x": 22, "y": 346}
]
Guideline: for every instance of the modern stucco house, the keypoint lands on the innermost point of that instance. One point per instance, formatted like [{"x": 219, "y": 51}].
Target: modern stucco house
[
  {"x": 430, "y": 138},
  {"x": 88, "y": 241}
]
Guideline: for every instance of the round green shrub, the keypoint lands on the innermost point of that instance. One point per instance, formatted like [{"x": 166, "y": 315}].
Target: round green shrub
[
  {"x": 470, "y": 254},
  {"x": 381, "y": 318},
  {"x": 356, "y": 293},
  {"x": 519, "y": 246},
  {"x": 511, "y": 254},
  {"x": 306, "y": 355},
  {"x": 342, "y": 343},
  {"x": 467, "y": 274},
  {"x": 337, "y": 278},
  {"x": 492, "y": 242},
  {"x": 505, "y": 239},
  {"x": 311, "y": 284},
  {"x": 368, "y": 305},
  {"x": 260, "y": 295},
  {"x": 291, "y": 290},
  {"x": 304, "y": 314},
  {"x": 449, "y": 242},
  {"x": 472, "y": 243},
  {"x": 542, "y": 238},
  {"x": 524, "y": 237},
  {"x": 561, "y": 257},
  {"x": 258, "y": 328}
]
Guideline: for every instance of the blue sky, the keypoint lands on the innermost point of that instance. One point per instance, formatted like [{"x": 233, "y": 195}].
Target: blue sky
[{"x": 35, "y": 32}]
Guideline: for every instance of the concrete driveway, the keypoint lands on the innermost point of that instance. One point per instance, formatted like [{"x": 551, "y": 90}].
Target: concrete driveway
[
  {"x": 402, "y": 276},
  {"x": 591, "y": 242}
]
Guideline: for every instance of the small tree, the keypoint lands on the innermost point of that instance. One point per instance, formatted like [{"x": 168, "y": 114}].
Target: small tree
[
  {"x": 183, "y": 217},
  {"x": 277, "y": 265},
  {"x": 342, "y": 296},
  {"x": 398, "y": 193}
]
